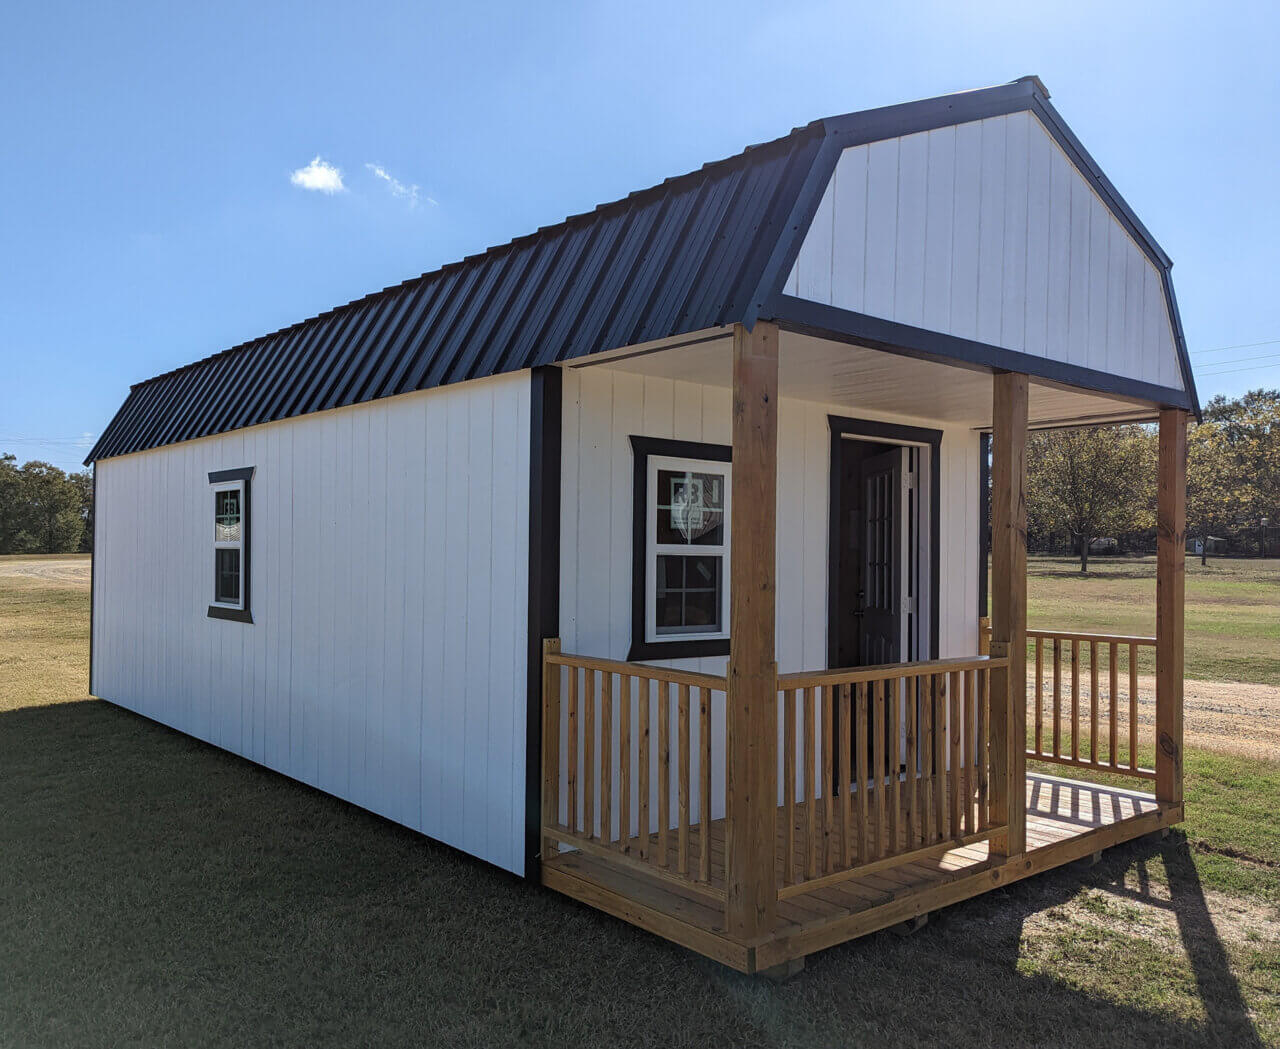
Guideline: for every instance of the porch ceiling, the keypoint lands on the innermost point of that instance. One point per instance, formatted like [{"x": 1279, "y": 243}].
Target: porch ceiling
[{"x": 860, "y": 379}]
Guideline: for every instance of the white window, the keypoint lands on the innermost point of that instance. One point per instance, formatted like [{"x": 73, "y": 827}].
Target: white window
[
  {"x": 687, "y": 549},
  {"x": 230, "y": 506}
]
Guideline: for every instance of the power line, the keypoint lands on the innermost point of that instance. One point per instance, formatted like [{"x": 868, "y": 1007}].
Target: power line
[
  {"x": 1242, "y": 360},
  {"x": 1237, "y": 346},
  {"x": 1233, "y": 371}
]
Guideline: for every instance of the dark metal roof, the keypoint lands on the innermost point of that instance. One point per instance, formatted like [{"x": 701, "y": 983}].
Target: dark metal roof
[
  {"x": 698, "y": 251},
  {"x": 682, "y": 256}
]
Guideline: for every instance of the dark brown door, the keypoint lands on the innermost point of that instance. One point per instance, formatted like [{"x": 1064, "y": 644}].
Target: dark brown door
[{"x": 881, "y": 605}]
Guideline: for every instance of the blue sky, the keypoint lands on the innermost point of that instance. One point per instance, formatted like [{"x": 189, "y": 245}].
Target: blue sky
[{"x": 149, "y": 217}]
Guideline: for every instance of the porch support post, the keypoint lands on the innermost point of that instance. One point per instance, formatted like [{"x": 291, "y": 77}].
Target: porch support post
[
  {"x": 751, "y": 707},
  {"x": 1171, "y": 528},
  {"x": 1009, "y": 611}
]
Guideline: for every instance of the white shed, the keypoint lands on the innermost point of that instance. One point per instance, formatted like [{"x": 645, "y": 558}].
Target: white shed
[{"x": 527, "y": 553}]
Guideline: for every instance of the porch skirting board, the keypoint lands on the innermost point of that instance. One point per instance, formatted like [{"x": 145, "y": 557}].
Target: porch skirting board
[{"x": 1067, "y": 820}]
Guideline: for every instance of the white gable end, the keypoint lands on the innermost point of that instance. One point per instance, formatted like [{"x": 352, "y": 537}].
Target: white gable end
[{"x": 987, "y": 231}]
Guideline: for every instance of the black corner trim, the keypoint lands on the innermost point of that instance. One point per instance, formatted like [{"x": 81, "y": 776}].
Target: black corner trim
[
  {"x": 235, "y": 615},
  {"x": 641, "y": 449},
  {"x": 244, "y": 473},
  {"x": 877, "y": 333},
  {"x": 545, "y": 402},
  {"x": 840, "y": 427}
]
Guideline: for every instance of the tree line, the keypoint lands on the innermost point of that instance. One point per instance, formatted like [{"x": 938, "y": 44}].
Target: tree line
[
  {"x": 44, "y": 510},
  {"x": 1083, "y": 485},
  {"x": 1099, "y": 483}
]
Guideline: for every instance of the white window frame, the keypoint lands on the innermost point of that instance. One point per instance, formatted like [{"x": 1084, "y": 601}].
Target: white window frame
[
  {"x": 220, "y": 544},
  {"x": 654, "y": 549}
]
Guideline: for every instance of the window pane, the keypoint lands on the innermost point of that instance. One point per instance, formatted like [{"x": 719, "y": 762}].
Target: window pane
[
  {"x": 690, "y": 507},
  {"x": 226, "y": 586},
  {"x": 227, "y": 516},
  {"x": 689, "y": 595}
]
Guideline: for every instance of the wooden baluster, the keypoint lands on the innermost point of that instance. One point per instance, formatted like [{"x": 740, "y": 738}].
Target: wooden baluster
[
  {"x": 892, "y": 695},
  {"x": 828, "y": 778},
  {"x": 550, "y": 744},
  {"x": 861, "y": 736},
  {"x": 939, "y": 693},
  {"x": 983, "y": 726},
  {"x": 664, "y": 770},
  {"x": 953, "y": 778},
  {"x": 789, "y": 783},
  {"x": 1075, "y": 699},
  {"x": 1093, "y": 702},
  {"x": 624, "y": 761},
  {"x": 913, "y": 777},
  {"x": 1039, "y": 745},
  {"x": 928, "y": 820},
  {"x": 879, "y": 754},
  {"x": 573, "y": 749},
  {"x": 588, "y": 753},
  {"x": 606, "y": 757},
  {"x": 704, "y": 769},
  {"x": 810, "y": 785},
  {"x": 1057, "y": 697},
  {"x": 845, "y": 742},
  {"x": 1133, "y": 706},
  {"x": 1113, "y": 670},
  {"x": 682, "y": 729},
  {"x": 970, "y": 750},
  {"x": 644, "y": 825}
]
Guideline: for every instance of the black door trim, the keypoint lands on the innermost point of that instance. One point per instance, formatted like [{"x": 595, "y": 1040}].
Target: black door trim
[{"x": 893, "y": 433}]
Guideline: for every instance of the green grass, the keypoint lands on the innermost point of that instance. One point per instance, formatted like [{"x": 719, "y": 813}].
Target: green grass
[
  {"x": 1232, "y": 609},
  {"x": 155, "y": 891}
]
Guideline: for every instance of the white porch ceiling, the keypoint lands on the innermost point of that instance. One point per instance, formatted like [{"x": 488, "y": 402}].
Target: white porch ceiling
[{"x": 857, "y": 378}]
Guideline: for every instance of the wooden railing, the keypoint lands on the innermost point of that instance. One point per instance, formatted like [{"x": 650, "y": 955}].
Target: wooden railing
[
  {"x": 627, "y": 766},
  {"x": 1084, "y": 730},
  {"x": 881, "y": 765}
]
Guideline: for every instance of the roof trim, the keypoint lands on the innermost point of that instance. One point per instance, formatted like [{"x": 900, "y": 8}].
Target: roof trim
[{"x": 877, "y": 333}]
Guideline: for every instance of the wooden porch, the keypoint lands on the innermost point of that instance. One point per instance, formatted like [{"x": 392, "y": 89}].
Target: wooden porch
[
  {"x": 756, "y": 817},
  {"x": 1067, "y": 820}
]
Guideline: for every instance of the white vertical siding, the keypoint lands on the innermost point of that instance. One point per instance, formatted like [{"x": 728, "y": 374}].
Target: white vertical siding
[
  {"x": 604, "y": 408},
  {"x": 386, "y": 661},
  {"x": 987, "y": 231}
]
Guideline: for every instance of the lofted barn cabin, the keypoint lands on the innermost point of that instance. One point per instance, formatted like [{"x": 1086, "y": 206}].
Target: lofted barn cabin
[{"x": 644, "y": 556}]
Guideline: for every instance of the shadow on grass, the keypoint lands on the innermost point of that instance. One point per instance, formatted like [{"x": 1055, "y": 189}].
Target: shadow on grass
[{"x": 155, "y": 890}]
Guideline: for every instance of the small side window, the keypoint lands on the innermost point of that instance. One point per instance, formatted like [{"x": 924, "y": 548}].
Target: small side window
[{"x": 230, "y": 505}]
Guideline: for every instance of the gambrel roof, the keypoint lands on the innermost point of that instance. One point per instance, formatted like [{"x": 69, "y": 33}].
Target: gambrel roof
[{"x": 714, "y": 247}]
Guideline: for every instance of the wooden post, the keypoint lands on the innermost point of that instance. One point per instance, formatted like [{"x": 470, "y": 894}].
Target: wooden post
[
  {"x": 1009, "y": 610},
  {"x": 1171, "y": 526},
  {"x": 751, "y": 701}
]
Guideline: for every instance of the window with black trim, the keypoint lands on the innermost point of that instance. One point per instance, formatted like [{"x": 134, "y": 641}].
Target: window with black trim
[
  {"x": 681, "y": 559},
  {"x": 230, "y": 506}
]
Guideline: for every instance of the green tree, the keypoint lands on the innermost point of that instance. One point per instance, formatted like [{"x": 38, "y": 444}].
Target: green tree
[
  {"x": 82, "y": 482},
  {"x": 51, "y": 508},
  {"x": 1090, "y": 483}
]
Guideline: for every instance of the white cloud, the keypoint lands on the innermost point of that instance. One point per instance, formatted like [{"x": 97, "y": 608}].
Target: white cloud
[
  {"x": 319, "y": 175},
  {"x": 85, "y": 440},
  {"x": 398, "y": 188}
]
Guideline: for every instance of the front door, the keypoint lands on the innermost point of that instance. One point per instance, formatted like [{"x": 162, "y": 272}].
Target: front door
[
  {"x": 880, "y": 607},
  {"x": 867, "y": 553}
]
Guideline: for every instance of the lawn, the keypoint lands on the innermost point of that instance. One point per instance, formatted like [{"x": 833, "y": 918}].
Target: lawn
[
  {"x": 157, "y": 891},
  {"x": 1232, "y": 609}
]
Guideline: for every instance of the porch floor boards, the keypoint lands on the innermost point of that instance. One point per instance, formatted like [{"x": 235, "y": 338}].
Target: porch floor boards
[{"x": 1066, "y": 820}]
